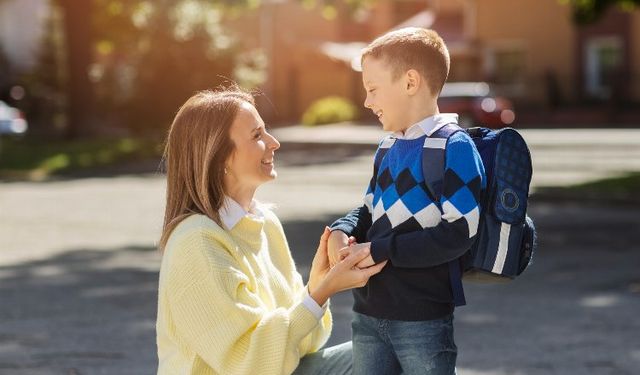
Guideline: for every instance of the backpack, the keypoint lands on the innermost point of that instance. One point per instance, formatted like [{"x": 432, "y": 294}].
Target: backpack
[{"x": 506, "y": 237}]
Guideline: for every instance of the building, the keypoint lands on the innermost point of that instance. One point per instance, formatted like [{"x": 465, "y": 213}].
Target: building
[{"x": 530, "y": 50}]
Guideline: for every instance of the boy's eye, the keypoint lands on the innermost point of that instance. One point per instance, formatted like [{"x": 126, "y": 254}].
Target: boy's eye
[{"x": 371, "y": 90}]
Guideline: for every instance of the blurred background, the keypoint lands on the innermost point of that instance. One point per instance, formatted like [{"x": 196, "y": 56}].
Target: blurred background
[{"x": 88, "y": 89}]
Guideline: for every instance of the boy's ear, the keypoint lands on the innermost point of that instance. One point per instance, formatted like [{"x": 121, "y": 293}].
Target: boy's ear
[{"x": 413, "y": 81}]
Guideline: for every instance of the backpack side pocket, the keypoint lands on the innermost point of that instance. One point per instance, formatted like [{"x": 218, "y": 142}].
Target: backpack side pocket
[{"x": 529, "y": 244}]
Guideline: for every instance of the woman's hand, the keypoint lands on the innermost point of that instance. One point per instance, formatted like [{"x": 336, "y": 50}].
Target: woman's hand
[
  {"x": 354, "y": 248},
  {"x": 320, "y": 265},
  {"x": 337, "y": 240},
  {"x": 325, "y": 281}
]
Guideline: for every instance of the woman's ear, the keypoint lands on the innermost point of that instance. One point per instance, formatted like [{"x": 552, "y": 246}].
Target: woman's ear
[{"x": 413, "y": 81}]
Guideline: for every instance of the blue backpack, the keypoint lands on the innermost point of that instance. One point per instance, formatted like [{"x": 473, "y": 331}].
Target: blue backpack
[{"x": 506, "y": 237}]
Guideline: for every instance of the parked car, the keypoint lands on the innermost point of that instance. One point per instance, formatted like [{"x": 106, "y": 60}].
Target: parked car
[
  {"x": 12, "y": 120},
  {"x": 476, "y": 105}
]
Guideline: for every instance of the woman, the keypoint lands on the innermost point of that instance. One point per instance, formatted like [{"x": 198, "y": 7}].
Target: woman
[{"x": 230, "y": 299}]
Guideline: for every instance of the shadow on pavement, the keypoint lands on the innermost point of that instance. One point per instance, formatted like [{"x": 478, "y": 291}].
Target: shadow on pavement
[{"x": 83, "y": 311}]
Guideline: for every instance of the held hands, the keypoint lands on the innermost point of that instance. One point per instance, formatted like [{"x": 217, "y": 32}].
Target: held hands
[
  {"x": 354, "y": 248},
  {"x": 340, "y": 247},
  {"x": 337, "y": 241},
  {"x": 325, "y": 281}
]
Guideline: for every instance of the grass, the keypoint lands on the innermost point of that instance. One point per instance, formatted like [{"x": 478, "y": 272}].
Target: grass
[
  {"x": 37, "y": 159},
  {"x": 622, "y": 188}
]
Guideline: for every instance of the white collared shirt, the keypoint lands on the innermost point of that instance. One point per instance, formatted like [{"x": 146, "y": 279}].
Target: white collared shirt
[
  {"x": 427, "y": 126},
  {"x": 232, "y": 212}
]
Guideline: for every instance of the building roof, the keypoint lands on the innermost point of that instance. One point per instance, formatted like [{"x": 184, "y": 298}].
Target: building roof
[{"x": 449, "y": 25}]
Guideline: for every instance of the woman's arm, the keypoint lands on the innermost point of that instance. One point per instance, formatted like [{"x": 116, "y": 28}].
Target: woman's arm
[
  {"x": 217, "y": 311},
  {"x": 230, "y": 327}
]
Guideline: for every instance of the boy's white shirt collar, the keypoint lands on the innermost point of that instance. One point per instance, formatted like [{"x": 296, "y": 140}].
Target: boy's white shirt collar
[
  {"x": 232, "y": 212},
  {"x": 427, "y": 126}
]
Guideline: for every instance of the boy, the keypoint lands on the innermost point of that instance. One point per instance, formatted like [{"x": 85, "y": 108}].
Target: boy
[{"x": 403, "y": 317}]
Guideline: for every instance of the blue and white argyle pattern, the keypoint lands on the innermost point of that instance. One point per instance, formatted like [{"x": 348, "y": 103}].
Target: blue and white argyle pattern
[{"x": 398, "y": 198}]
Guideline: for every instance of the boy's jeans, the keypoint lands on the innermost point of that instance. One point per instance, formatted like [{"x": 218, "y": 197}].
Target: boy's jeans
[{"x": 382, "y": 346}]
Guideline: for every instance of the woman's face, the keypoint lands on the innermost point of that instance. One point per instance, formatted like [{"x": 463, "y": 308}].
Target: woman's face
[{"x": 251, "y": 162}]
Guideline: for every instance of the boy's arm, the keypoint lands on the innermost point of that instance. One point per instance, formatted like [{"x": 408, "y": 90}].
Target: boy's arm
[
  {"x": 464, "y": 180},
  {"x": 356, "y": 223},
  {"x": 354, "y": 226},
  {"x": 351, "y": 228}
]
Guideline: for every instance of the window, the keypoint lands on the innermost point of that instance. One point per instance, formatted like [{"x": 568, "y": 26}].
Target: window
[
  {"x": 603, "y": 63},
  {"x": 509, "y": 66}
]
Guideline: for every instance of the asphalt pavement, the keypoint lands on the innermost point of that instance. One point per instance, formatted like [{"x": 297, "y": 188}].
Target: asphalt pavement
[{"x": 78, "y": 265}]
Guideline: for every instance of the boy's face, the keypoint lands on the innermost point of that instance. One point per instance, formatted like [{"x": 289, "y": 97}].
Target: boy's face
[{"x": 386, "y": 97}]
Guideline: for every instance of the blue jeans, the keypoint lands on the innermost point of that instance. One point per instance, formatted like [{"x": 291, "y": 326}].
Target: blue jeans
[
  {"x": 335, "y": 360},
  {"x": 382, "y": 346}
]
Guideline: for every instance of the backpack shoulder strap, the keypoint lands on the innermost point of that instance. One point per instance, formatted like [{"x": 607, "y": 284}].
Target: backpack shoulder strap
[
  {"x": 433, "y": 158},
  {"x": 433, "y": 161}
]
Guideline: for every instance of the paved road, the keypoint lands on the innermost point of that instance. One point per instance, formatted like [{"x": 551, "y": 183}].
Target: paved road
[{"x": 78, "y": 275}]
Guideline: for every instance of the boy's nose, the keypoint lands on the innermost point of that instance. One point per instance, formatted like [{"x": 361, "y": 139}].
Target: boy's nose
[{"x": 367, "y": 104}]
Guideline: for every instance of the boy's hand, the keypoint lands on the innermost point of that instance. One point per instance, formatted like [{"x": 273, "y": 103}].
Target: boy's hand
[
  {"x": 354, "y": 248},
  {"x": 337, "y": 240},
  {"x": 366, "y": 262},
  {"x": 325, "y": 281}
]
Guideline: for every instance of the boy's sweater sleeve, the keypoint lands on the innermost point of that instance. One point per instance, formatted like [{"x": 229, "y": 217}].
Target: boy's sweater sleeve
[
  {"x": 464, "y": 181},
  {"x": 358, "y": 221}
]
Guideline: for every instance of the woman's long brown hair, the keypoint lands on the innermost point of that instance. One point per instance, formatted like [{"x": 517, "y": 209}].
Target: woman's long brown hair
[{"x": 197, "y": 147}]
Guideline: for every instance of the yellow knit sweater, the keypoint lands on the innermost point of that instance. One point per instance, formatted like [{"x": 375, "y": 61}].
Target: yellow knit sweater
[{"x": 230, "y": 302}]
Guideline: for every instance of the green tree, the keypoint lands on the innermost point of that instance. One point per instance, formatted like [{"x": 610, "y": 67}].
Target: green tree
[
  {"x": 87, "y": 22},
  {"x": 78, "y": 42},
  {"x": 589, "y": 11}
]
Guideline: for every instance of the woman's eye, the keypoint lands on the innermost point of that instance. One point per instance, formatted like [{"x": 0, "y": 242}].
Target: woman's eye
[
  {"x": 257, "y": 135},
  {"x": 372, "y": 90}
]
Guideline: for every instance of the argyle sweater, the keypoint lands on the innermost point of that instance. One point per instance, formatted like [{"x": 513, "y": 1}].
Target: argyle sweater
[{"x": 418, "y": 234}]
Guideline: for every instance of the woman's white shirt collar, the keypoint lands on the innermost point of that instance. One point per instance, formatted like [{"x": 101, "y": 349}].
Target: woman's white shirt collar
[{"x": 232, "y": 212}]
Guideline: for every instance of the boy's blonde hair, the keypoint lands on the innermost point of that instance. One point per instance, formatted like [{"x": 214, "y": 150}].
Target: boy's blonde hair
[{"x": 413, "y": 48}]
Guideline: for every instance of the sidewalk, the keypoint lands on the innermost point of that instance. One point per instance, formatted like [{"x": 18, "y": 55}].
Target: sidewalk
[
  {"x": 561, "y": 157},
  {"x": 343, "y": 134},
  {"x": 370, "y": 134}
]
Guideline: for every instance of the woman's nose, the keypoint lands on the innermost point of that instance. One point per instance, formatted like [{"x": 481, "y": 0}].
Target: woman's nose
[{"x": 274, "y": 144}]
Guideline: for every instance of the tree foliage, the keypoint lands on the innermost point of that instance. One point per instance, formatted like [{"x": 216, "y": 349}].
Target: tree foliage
[
  {"x": 151, "y": 56},
  {"x": 589, "y": 11},
  {"x": 146, "y": 57}
]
